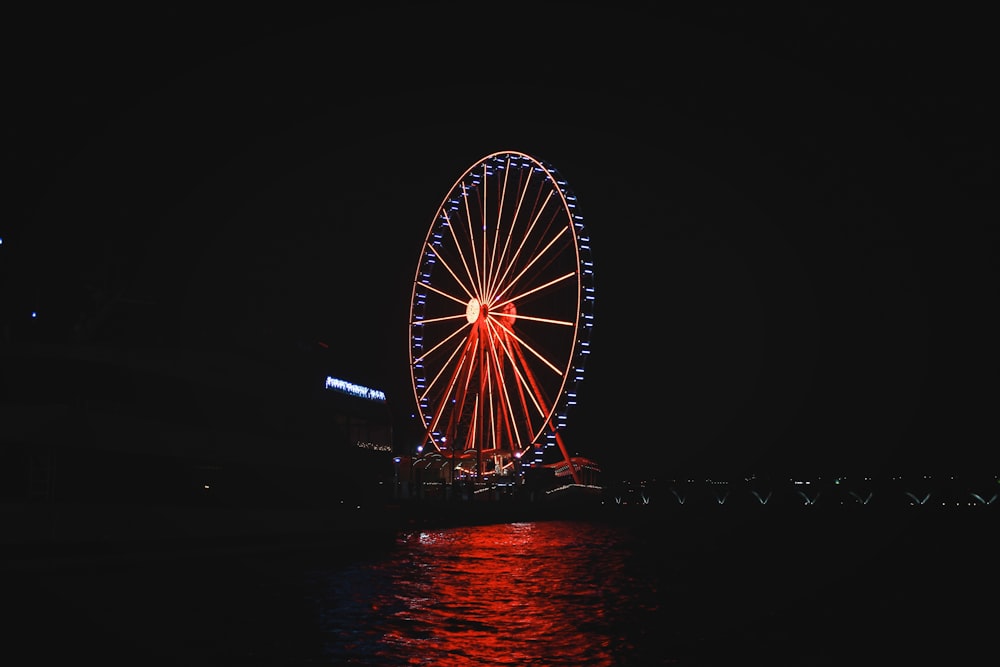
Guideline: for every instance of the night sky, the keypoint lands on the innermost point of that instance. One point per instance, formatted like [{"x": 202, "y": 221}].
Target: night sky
[{"x": 793, "y": 213}]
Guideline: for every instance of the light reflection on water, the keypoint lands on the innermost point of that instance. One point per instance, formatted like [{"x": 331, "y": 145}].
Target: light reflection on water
[
  {"x": 716, "y": 592},
  {"x": 552, "y": 593}
]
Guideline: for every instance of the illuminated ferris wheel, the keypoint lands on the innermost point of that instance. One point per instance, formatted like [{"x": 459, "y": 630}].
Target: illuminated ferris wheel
[{"x": 501, "y": 315}]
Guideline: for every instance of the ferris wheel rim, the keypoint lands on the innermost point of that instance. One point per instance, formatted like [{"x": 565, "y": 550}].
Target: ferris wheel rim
[{"x": 570, "y": 369}]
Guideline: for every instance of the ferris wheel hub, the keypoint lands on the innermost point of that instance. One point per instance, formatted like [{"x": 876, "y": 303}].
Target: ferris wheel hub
[{"x": 472, "y": 310}]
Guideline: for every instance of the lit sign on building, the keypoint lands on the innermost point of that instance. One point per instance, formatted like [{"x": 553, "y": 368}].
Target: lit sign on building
[
  {"x": 346, "y": 387},
  {"x": 373, "y": 446}
]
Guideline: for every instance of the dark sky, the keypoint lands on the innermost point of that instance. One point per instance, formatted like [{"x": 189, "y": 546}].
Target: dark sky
[{"x": 792, "y": 213}]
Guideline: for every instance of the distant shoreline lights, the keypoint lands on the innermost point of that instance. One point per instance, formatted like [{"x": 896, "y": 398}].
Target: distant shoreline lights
[{"x": 352, "y": 389}]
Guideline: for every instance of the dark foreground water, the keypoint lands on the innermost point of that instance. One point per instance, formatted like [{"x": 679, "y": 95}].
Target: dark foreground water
[{"x": 848, "y": 591}]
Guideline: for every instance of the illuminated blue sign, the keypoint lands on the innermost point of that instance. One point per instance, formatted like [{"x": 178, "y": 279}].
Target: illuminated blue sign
[{"x": 346, "y": 387}]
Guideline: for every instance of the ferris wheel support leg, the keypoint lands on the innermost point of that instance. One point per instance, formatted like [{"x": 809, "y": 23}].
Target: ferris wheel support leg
[
  {"x": 566, "y": 457},
  {"x": 540, "y": 395}
]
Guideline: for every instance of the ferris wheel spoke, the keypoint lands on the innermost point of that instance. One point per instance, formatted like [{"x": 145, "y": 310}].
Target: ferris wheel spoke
[
  {"x": 508, "y": 405},
  {"x": 512, "y": 226},
  {"x": 538, "y": 355},
  {"x": 494, "y": 400},
  {"x": 536, "y": 390},
  {"x": 494, "y": 260},
  {"x": 425, "y": 353},
  {"x": 467, "y": 247},
  {"x": 450, "y": 378},
  {"x": 449, "y": 362},
  {"x": 444, "y": 318},
  {"x": 534, "y": 290},
  {"x": 463, "y": 284},
  {"x": 514, "y": 263},
  {"x": 477, "y": 278},
  {"x": 520, "y": 368},
  {"x": 459, "y": 365},
  {"x": 484, "y": 194},
  {"x": 543, "y": 320}
]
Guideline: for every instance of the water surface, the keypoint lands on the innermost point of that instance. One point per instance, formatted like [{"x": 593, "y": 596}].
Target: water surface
[{"x": 582, "y": 593}]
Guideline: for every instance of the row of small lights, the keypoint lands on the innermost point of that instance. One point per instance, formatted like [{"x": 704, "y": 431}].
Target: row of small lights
[
  {"x": 798, "y": 481},
  {"x": 981, "y": 501}
]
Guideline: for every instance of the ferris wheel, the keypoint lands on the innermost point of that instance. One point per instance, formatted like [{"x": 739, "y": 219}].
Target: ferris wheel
[{"x": 501, "y": 315}]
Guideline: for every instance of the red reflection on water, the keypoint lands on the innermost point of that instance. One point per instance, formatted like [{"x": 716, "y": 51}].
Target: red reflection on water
[{"x": 506, "y": 594}]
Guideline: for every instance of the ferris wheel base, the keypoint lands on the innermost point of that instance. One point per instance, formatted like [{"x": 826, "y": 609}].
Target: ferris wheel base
[{"x": 472, "y": 502}]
